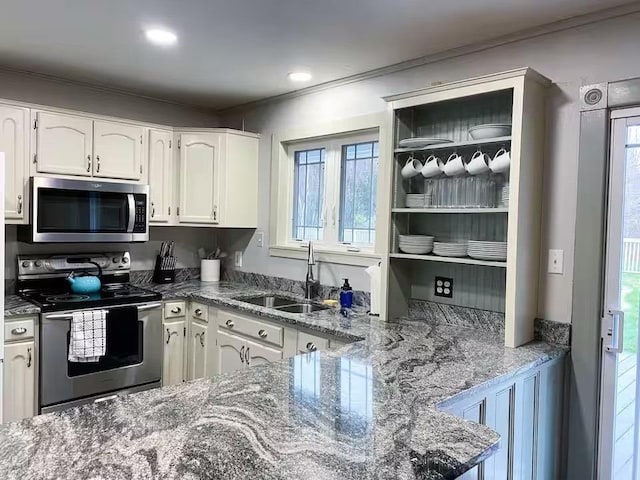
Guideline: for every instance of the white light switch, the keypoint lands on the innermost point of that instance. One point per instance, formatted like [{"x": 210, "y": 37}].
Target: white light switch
[
  {"x": 260, "y": 239},
  {"x": 555, "y": 261},
  {"x": 238, "y": 258}
]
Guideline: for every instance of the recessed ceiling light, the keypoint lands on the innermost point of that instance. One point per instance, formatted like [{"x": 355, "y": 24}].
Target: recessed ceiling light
[
  {"x": 160, "y": 36},
  {"x": 299, "y": 76}
]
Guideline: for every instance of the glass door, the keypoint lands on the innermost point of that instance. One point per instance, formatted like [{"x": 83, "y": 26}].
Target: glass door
[{"x": 618, "y": 453}]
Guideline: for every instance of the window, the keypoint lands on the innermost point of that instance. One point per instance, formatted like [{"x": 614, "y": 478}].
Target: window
[
  {"x": 324, "y": 189},
  {"x": 334, "y": 191}
]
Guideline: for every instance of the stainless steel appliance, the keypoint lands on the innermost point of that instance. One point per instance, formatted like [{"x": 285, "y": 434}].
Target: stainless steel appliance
[
  {"x": 133, "y": 358},
  {"x": 86, "y": 211}
]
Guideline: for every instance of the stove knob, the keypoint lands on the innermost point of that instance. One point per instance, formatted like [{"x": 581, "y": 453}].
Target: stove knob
[
  {"x": 38, "y": 263},
  {"x": 125, "y": 260},
  {"x": 115, "y": 259},
  {"x": 26, "y": 264}
]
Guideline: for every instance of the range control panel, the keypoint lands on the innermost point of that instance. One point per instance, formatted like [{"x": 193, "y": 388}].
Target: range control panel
[{"x": 29, "y": 265}]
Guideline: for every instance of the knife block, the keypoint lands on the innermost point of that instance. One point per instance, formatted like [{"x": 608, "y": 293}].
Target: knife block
[{"x": 164, "y": 270}]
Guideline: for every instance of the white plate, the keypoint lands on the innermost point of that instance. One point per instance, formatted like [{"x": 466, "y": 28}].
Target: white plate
[
  {"x": 417, "y": 142},
  {"x": 488, "y": 258},
  {"x": 415, "y": 250}
]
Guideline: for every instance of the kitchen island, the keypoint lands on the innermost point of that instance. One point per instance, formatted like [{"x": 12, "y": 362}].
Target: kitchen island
[{"x": 371, "y": 409}]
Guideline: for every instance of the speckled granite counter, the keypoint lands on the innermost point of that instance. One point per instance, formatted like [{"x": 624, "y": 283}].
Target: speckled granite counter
[
  {"x": 369, "y": 410},
  {"x": 15, "y": 306}
]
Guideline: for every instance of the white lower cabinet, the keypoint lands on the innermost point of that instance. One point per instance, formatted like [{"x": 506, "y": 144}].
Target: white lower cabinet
[
  {"x": 311, "y": 343},
  {"x": 19, "y": 398},
  {"x": 173, "y": 358},
  {"x": 229, "y": 352},
  {"x": 258, "y": 354},
  {"x": 199, "y": 352}
]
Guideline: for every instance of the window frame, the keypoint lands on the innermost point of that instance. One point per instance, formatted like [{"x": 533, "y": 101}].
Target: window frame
[{"x": 341, "y": 132}]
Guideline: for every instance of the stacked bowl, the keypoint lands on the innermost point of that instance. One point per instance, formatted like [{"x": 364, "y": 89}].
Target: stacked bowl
[
  {"x": 492, "y": 251},
  {"x": 450, "y": 249},
  {"x": 417, "y": 200},
  {"x": 415, "y": 244}
]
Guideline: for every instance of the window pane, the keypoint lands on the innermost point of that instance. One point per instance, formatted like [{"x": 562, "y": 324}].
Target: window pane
[
  {"x": 358, "y": 193},
  {"x": 308, "y": 194}
]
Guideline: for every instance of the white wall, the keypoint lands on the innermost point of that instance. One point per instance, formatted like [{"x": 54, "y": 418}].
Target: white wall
[
  {"x": 57, "y": 93},
  {"x": 607, "y": 50},
  {"x": 187, "y": 241}
]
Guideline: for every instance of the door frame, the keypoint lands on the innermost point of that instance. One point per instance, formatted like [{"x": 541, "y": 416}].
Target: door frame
[{"x": 598, "y": 102}]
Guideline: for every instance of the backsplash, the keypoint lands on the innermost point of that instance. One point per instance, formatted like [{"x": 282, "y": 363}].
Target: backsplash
[
  {"x": 182, "y": 275},
  {"x": 441, "y": 313}
]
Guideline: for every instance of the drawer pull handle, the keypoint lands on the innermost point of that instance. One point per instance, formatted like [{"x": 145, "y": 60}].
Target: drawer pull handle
[
  {"x": 198, "y": 312},
  {"x": 242, "y": 354},
  {"x": 19, "y": 204},
  {"x": 311, "y": 347},
  {"x": 229, "y": 323},
  {"x": 262, "y": 333},
  {"x": 176, "y": 310},
  {"x": 19, "y": 331}
]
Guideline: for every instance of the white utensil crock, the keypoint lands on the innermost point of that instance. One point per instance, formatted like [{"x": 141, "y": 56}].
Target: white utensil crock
[{"x": 210, "y": 270}]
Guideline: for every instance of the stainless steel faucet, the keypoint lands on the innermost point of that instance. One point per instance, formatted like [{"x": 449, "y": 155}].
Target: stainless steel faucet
[{"x": 310, "y": 285}]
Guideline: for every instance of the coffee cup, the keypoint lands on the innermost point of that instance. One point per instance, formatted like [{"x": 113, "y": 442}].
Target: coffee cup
[
  {"x": 501, "y": 161},
  {"x": 478, "y": 164},
  {"x": 411, "y": 168},
  {"x": 432, "y": 167},
  {"x": 454, "y": 165}
]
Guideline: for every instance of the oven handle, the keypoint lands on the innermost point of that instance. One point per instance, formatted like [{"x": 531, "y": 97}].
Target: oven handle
[
  {"x": 132, "y": 212},
  {"x": 68, "y": 316}
]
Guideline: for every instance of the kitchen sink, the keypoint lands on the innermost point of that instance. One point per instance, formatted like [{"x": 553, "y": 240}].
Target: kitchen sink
[
  {"x": 302, "y": 308},
  {"x": 269, "y": 301}
]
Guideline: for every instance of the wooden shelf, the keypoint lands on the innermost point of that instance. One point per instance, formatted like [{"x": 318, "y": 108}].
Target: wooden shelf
[
  {"x": 453, "y": 145},
  {"x": 435, "y": 258},
  {"x": 451, "y": 210}
]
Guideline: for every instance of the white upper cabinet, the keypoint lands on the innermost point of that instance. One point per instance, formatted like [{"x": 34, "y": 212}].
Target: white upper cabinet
[
  {"x": 160, "y": 168},
  {"x": 14, "y": 142},
  {"x": 199, "y": 155},
  {"x": 63, "y": 144},
  {"x": 117, "y": 150}
]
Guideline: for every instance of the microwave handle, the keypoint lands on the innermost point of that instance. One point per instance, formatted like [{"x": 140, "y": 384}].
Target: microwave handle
[{"x": 132, "y": 212}]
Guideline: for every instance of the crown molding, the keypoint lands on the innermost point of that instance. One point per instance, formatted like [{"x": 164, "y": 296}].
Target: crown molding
[{"x": 527, "y": 34}]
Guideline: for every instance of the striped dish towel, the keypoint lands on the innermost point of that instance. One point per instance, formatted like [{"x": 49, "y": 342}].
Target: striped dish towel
[{"x": 87, "y": 342}]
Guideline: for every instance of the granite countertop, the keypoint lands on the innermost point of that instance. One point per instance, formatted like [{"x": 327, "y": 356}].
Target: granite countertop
[
  {"x": 368, "y": 410},
  {"x": 15, "y": 306}
]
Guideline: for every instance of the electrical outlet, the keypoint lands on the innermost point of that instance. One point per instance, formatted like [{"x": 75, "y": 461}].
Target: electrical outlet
[
  {"x": 443, "y": 287},
  {"x": 238, "y": 258},
  {"x": 556, "y": 262},
  {"x": 260, "y": 239}
]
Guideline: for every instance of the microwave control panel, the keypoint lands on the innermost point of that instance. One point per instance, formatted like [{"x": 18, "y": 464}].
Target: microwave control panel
[{"x": 140, "y": 223}]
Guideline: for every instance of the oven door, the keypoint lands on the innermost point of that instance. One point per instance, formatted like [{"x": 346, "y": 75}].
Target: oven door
[
  {"x": 133, "y": 355},
  {"x": 86, "y": 211}
]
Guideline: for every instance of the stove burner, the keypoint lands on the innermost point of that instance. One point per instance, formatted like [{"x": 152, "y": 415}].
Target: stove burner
[{"x": 67, "y": 297}]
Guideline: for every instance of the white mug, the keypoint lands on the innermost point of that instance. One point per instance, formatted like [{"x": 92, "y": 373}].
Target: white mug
[
  {"x": 478, "y": 164},
  {"x": 432, "y": 167},
  {"x": 411, "y": 168},
  {"x": 454, "y": 165},
  {"x": 501, "y": 161}
]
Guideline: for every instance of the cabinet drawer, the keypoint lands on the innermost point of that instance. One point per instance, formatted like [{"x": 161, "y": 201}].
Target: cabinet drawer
[
  {"x": 175, "y": 309},
  {"x": 19, "y": 330},
  {"x": 199, "y": 311},
  {"x": 310, "y": 343},
  {"x": 263, "y": 331}
]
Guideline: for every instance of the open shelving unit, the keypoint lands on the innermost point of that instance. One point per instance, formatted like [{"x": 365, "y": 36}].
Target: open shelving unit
[{"x": 449, "y": 111}]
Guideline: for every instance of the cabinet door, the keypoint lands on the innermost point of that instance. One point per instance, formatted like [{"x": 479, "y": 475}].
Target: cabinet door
[
  {"x": 18, "y": 396},
  {"x": 475, "y": 413},
  {"x": 199, "y": 155},
  {"x": 173, "y": 359},
  {"x": 64, "y": 144},
  {"x": 117, "y": 149},
  {"x": 230, "y": 352},
  {"x": 14, "y": 142},
  {"x": 259, "y": 354},
  {"x": 200, "y": 362},
  {"x": 160, "y": 163}
]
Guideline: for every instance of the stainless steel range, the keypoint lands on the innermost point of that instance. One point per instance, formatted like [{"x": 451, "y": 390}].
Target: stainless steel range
[{"x": 133, "y": 356}]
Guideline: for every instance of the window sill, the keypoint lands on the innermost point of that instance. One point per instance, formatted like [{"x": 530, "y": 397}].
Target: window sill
[{"x": 361, "y": 259}]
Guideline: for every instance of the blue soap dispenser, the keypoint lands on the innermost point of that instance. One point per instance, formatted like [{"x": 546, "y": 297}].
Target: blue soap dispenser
[{"x": 346, "y": 295}]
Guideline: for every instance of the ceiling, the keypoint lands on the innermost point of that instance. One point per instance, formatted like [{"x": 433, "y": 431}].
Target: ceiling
[{"x": 235, "y": 51}]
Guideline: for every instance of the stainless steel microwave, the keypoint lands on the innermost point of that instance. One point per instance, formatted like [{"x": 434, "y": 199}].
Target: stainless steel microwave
[{"x": 86, "y": 211}]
